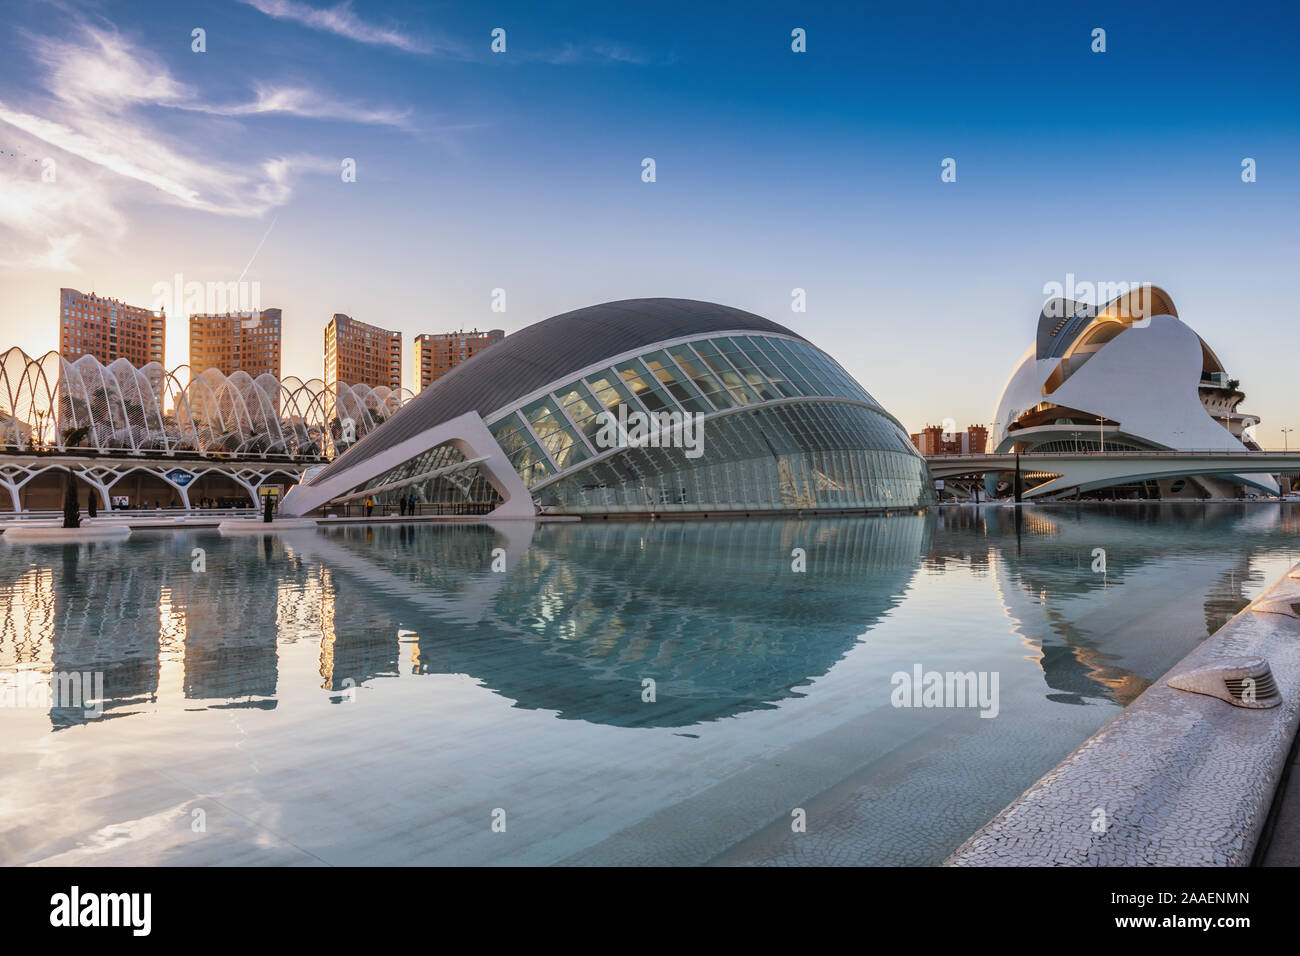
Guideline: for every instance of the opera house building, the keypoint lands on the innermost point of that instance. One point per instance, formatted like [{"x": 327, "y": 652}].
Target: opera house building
[
  {"x": 1127, "y": 376},
  {"x": 638, "y": 407}
]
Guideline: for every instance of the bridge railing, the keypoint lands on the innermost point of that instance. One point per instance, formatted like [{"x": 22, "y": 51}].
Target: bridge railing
[{"x": 1152, "y": 453}]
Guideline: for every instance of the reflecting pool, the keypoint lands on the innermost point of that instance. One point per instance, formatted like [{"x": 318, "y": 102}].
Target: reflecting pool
[{"x": 603, "y": 692}]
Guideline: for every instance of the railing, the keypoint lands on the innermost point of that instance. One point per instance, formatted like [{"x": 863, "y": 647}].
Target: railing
[
  {"x": 1153, "y": 453},
  {"x": 126, "y": 514},
  {"x": 175, "y": 454}
]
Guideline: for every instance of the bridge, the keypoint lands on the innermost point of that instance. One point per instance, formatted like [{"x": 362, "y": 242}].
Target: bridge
[
  {"x": 1068, "y": 472},
  {"x": 185, "y": 477}
]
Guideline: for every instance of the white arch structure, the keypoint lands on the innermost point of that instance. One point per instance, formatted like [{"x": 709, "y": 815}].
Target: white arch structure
[
  {"x": 1126, "y": 376},
  {"x": 50, "y": 404}
]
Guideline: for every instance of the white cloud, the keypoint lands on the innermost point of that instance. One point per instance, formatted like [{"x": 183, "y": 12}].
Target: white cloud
[
  {"x": 97, "y": 121},
  {"x": 341, "y": 21},
  {"x": 104, "y": 69},
  {"x": 305, "y": 102}
]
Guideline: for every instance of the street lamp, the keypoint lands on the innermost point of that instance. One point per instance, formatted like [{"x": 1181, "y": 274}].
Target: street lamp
[
  {"x": 1101, "y": 433},
  {"x": 1286, "y": 446}
]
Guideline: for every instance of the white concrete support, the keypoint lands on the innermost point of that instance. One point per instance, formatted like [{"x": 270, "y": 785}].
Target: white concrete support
[
  {"x": 467, "y": 432},
  {"x": 13, "y": 495}
]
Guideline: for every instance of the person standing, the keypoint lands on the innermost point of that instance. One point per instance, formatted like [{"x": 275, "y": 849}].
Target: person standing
[{"x": 370, "y": 505}]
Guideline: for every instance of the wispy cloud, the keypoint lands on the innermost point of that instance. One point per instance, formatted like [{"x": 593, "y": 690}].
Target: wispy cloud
[
  {"x": 96, "y": 120},
  {"x": 340, "y": 20},
  {"x": 597, "y": 51},
  {"x": 311, "y": 104},
  {"x": 619, "y": 53}
]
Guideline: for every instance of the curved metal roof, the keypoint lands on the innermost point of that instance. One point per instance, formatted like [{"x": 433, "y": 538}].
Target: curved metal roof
[
  {"x": 549, "y": 351},
  {"x": 1063, "y": 322}
]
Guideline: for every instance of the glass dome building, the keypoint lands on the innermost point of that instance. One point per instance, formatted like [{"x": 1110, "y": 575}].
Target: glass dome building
[{"x": 644, "y": 406}]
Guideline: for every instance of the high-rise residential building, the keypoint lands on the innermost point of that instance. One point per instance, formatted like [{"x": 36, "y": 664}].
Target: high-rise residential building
[
  {"x": 109, "y": 329},
  {"x": 236, "y": 341},
  {"x": 361, "y": 354},
  {"x": 438, "y": 353},
  {"x": 933, "y": 440}
]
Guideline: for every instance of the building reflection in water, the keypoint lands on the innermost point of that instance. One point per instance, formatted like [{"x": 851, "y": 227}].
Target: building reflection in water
[
  {"x": 584, "y": 613},
  {"x": 712, "y": 612},
  {"x": 1107, "y": 634}
]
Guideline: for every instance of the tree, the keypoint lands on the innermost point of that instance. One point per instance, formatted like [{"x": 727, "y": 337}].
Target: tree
[{"x": 71, "y": 510}]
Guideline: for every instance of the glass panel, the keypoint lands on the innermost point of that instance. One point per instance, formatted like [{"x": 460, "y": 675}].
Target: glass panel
[
  {"x": 510, "y": 433},
  {"x": 681, "y": 389},
  {"x": 645, "y": 387},
  {"x": 748, "y": 370},
  {"x": 555, "y": 434},
  {"x": 787, "y": 349},
  {"x": 765, "y": 365},
  {"x": 531, "y": 464},
  {"x": 787, "y": 372},
  {"x": 691, "y": 364},
  {"x": 581, "y": 407},
  {"x": 740, "y": 391},
  {"x": 609, "y": 390}
]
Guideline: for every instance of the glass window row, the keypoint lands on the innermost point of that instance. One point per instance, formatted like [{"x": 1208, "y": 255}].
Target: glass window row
[{"x": 701, "y": 376}]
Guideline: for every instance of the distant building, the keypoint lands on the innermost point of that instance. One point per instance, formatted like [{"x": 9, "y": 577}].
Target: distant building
[
  {"x": 361, "y": 354},
  {"x": 931, "y": 440},
  {"x": 109, "y": 329},
  {"x": 436, "y": 354},
  {"x": 250, "y": 342},
  {"x": 1127, "y": 375}
]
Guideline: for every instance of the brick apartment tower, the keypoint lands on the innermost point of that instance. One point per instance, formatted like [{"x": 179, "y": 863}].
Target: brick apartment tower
[
  {"x": 438, "y": 353},
  {"x": 109, "y": 329},
  {"x": 241, "y": 341},
  {"x": 357, "y": 354},
  {"x": 930, "y": 441}
]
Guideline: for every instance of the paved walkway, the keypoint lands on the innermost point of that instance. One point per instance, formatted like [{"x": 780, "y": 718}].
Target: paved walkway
[{"x": 1284, "y": 847}]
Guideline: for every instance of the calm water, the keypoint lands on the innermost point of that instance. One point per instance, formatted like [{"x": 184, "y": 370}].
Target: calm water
[{"x": 383, "y": 696}]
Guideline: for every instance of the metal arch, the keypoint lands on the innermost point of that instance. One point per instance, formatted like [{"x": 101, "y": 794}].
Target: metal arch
[{"x": 129, "y": 409}]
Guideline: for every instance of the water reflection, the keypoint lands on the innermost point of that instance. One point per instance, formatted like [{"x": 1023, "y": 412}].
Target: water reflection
[
  {"x": 583, "y": 614},
  {"x": 1101, "y": 593},
  {"x": 711, "y": 612}
]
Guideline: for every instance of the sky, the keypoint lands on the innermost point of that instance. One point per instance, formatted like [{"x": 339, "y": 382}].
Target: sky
[{"x": 775, "y": 170}]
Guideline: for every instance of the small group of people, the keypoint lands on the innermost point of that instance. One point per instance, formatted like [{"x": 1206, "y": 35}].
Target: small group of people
[
  {"x": 407, "y": 504},
  {"x": 206, "y": 502}
]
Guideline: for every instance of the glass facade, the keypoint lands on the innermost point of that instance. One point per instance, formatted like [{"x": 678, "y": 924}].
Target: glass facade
[
  {"x": 788, "y": 456},
  {"x": 777, "y": 425},
  {"x": 465, "y": 491},
  {"x": 815, "y": 455}
]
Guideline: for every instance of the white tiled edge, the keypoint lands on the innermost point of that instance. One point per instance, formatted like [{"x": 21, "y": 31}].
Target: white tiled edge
[{"x": 1182, "y": 779}]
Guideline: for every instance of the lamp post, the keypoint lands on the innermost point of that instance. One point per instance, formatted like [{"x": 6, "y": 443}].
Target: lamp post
[
  {"x": 1286, "y": 446},
  {"x": 1101, "y": 433}
]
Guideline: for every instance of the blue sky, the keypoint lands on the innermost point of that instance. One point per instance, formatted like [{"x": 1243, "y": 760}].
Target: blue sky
[{"x": 775, "y": 170}]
